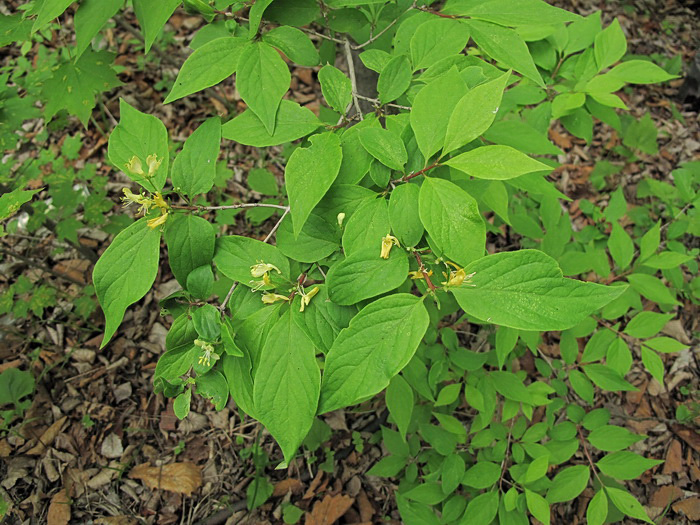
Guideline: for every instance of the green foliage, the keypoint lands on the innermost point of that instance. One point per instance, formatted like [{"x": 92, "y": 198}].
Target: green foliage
[{"x": 380, "y": 253}]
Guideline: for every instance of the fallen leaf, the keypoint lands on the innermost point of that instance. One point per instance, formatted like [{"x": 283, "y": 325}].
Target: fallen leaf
[
  {"x": 10, "y": 364},
  {"x": 287, "y": 485},
  {"x": 560, "y": 140},
  {"x": 59, "y": 509},
  {"x": 366, "y": 508},
  {"x": 690, "y": 507},
  {"x": 311, "y": 491},
  {"x": 329, "y": 510},
  {"x": 674, "y": 458},
  {"x": 47, "y": 438},
  {"x": 688, "y": 435},
  {"x": 665, "y": 496},
  {"x": 183, "y": 478},
  {"x": 5, "y": 448},
  {"x": 112, "y": 446}
]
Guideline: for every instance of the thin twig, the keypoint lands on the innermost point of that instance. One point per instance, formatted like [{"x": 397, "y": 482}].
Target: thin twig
[
  {"x": 353, "y": 79},
  {"x": 426, "y": 276},
  {"x": 375, "y": 37},
  {"x": 230, "y": 206},
  {"x": 378, "y": 102},
  {"x": 222, "y": 307},
  {"x": 410, "y": 176}
]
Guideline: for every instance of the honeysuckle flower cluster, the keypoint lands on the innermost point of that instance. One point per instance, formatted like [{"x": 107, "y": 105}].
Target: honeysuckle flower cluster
[
  {"x": 457, "y": 276},
  {"x": 134, "y": 166},
  {"x": 262, "y": 269},
  {"x": 207, "y": 354}
]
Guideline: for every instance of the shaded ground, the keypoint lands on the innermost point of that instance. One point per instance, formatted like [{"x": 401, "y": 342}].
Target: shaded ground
[{"x": 94, "y": 417}]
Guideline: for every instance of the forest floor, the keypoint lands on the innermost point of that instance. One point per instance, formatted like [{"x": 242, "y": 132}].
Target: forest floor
[{"x": 95, "y": 427}]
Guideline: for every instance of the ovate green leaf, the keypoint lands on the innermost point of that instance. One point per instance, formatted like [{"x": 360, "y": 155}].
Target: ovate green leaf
[
  {"x": 379, "y": 342},
  {"x": 125, "y": 272},
  {"x": 394, "y": 79},
  {"x": 191, "y": 241},
  {"x": 568, "y": 484},
  {"x": 385, "y": 146},
  {"x": 336, "y": 87},
  {"x": 194, "y": 168},
  {"x": 152, "y": 16},
  {"x": 625, "y": 465},
  {"x": 496, "y": 162}
]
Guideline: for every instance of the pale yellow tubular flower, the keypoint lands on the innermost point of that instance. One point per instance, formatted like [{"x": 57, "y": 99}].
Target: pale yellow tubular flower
[
  {"x": 153, "y": 164},
  {"x": 131, "y": 198},
  {"x": 418, "y": 274},
  {"x": 159, "y": 201},
  {"x": 134, "y": 166},
  {"x": 306, "y": 298},
  {"x": 270, "y": 298},
  {"x": 207, "y": 354},
  {"x": 154, "y": 223},
  {"x": 387, "y": 243},
  {"x": 341, "y": 218},
  {"x": 260, "y": 269}
]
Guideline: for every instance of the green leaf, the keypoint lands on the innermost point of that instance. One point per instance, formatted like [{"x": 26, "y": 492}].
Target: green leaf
[
  {"x": 153, "y": 16},
  {"x": 650, "y": 241},
  {"x": 336, "y": 87},
  {"x": 293, "y": 12},
  {"x": 78, "y": 83},
  {"x": 428, "y": 119},
  {"x": 399, "y": 400},
  {"x": 526, "y": 290},
  {"x": 627, "y": 504},
  {"x": 255, "y": 16},
  {"x": 367, "y": 226},
  {"x": 379, "y": 342},
  {"x": 597, "y": 510},
  {"x": 496, "y": 163},
  {"x": 568, "y": 484},
  {"x": 481, "y": 509},
  {"x": 538, "y": 506},
  {"x": 385, "y": 146},
  {"x": 14, "y": 385},
  {"x": 665, "y": 344},
  {"x": 522, "y": 136},
  {"x": 537, "y": 469},
  {"x": 404, "y": 215},
  {"x": 653, "y": 364},
  {"x": 207, "y": 322},
  {"x": 194, "y": 168},
  {"x": 317, "y": 240},
  {"x": 640, "y": 72},
  {"x": 625, "y": 465},
  {"x": 200, "y": 282},
  {"x": 436, "y": 39},
  {"x": 140, "y": 135},
  {"x": 667, "y": 260},
  {"x": 651, "y": 288},
  {"x": 235, "y": 255},
  {"x": 262, "y": 181},
  {"x": 452, "y": 472},
  {"x": 582, "y": 386},
  {"x": 210, "y": 64},
  {"x": 287, "y": 385},
  {"x": 429, "y": 493},
  {"x": 621, "y": 246},
  {"x": 322, "y": 320},
  {"x": 607, "y": 379},
  {"x": 89, "y": 19},
  {"x": 451, "y": 217},
  {"x": 448, "y": 394},
  {"x": 364, "y": 274},
  {"x": 611, "y": 438},
  {"x": 191, "y": 241},
  {"x": 647, "y": 324},
  {"x": 12, "y": 201},
  {"x": 181, "y": 405},
  {"x": 474, "y": 113},
  {"x": 394, "y": 79},
  {"x": 48, "y": 10},
  {"x": 125, "y": 272},
  {"x": 293, "y": 43},
  {"x": 506, "y": 46},
  {"x": 309, "y": 173},
  {"x": 509, "y": 13},
  {"x": 260, "y": 65},
  {"x": 610, "y": 45},
  {"x": 293, "y": 122},
  {"x": 482, "y": 475},
  {"x": 213, "y": 386}
]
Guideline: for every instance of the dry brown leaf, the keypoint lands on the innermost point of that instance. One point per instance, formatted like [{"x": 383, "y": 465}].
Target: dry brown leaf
[
  {"x": 674, "y": 458},
  {"x": 688, "y": 435},
  {"x": 311, "y": 491},
  {"x": 10, "y": 364},
  {"x": 183, "y": 478},
  {"x": 329, "y": 510},
  {"x": 115, "y": 520},
  {"x": 690, "y": 507},
  {"x": 5, "y": 448},
  {"x": 47, "y": 438},
  {"x": 366, "y": 508},
  {"x": 287, "y": 485},
  {"x": 665, "y": 496},
  {"x": 59, "y": 509},
  {"x": 560, "y": 140}
]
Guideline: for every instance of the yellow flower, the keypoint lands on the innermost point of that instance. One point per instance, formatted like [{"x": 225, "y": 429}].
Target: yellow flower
[
  {"x": 153, "y": 164},
  {"x": 159, "y": 201},
  {"x": 418, "y": 274},
  {"x": 260, "y": 269},
  {"x": 154, "y": 223},
  {"x": 458, "y": 276},
  {"x": 207, "y": 352},
  {"x": 306, "y": 297},
  {"x": 387, "y": 243},
  {"x": 341, "y": 218},
  {"x": 134, "y": 166},
  {"x": 270, "y": 298},
  {"x": 130, "y": 198},
  {"x": 261, "y": 284}
]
